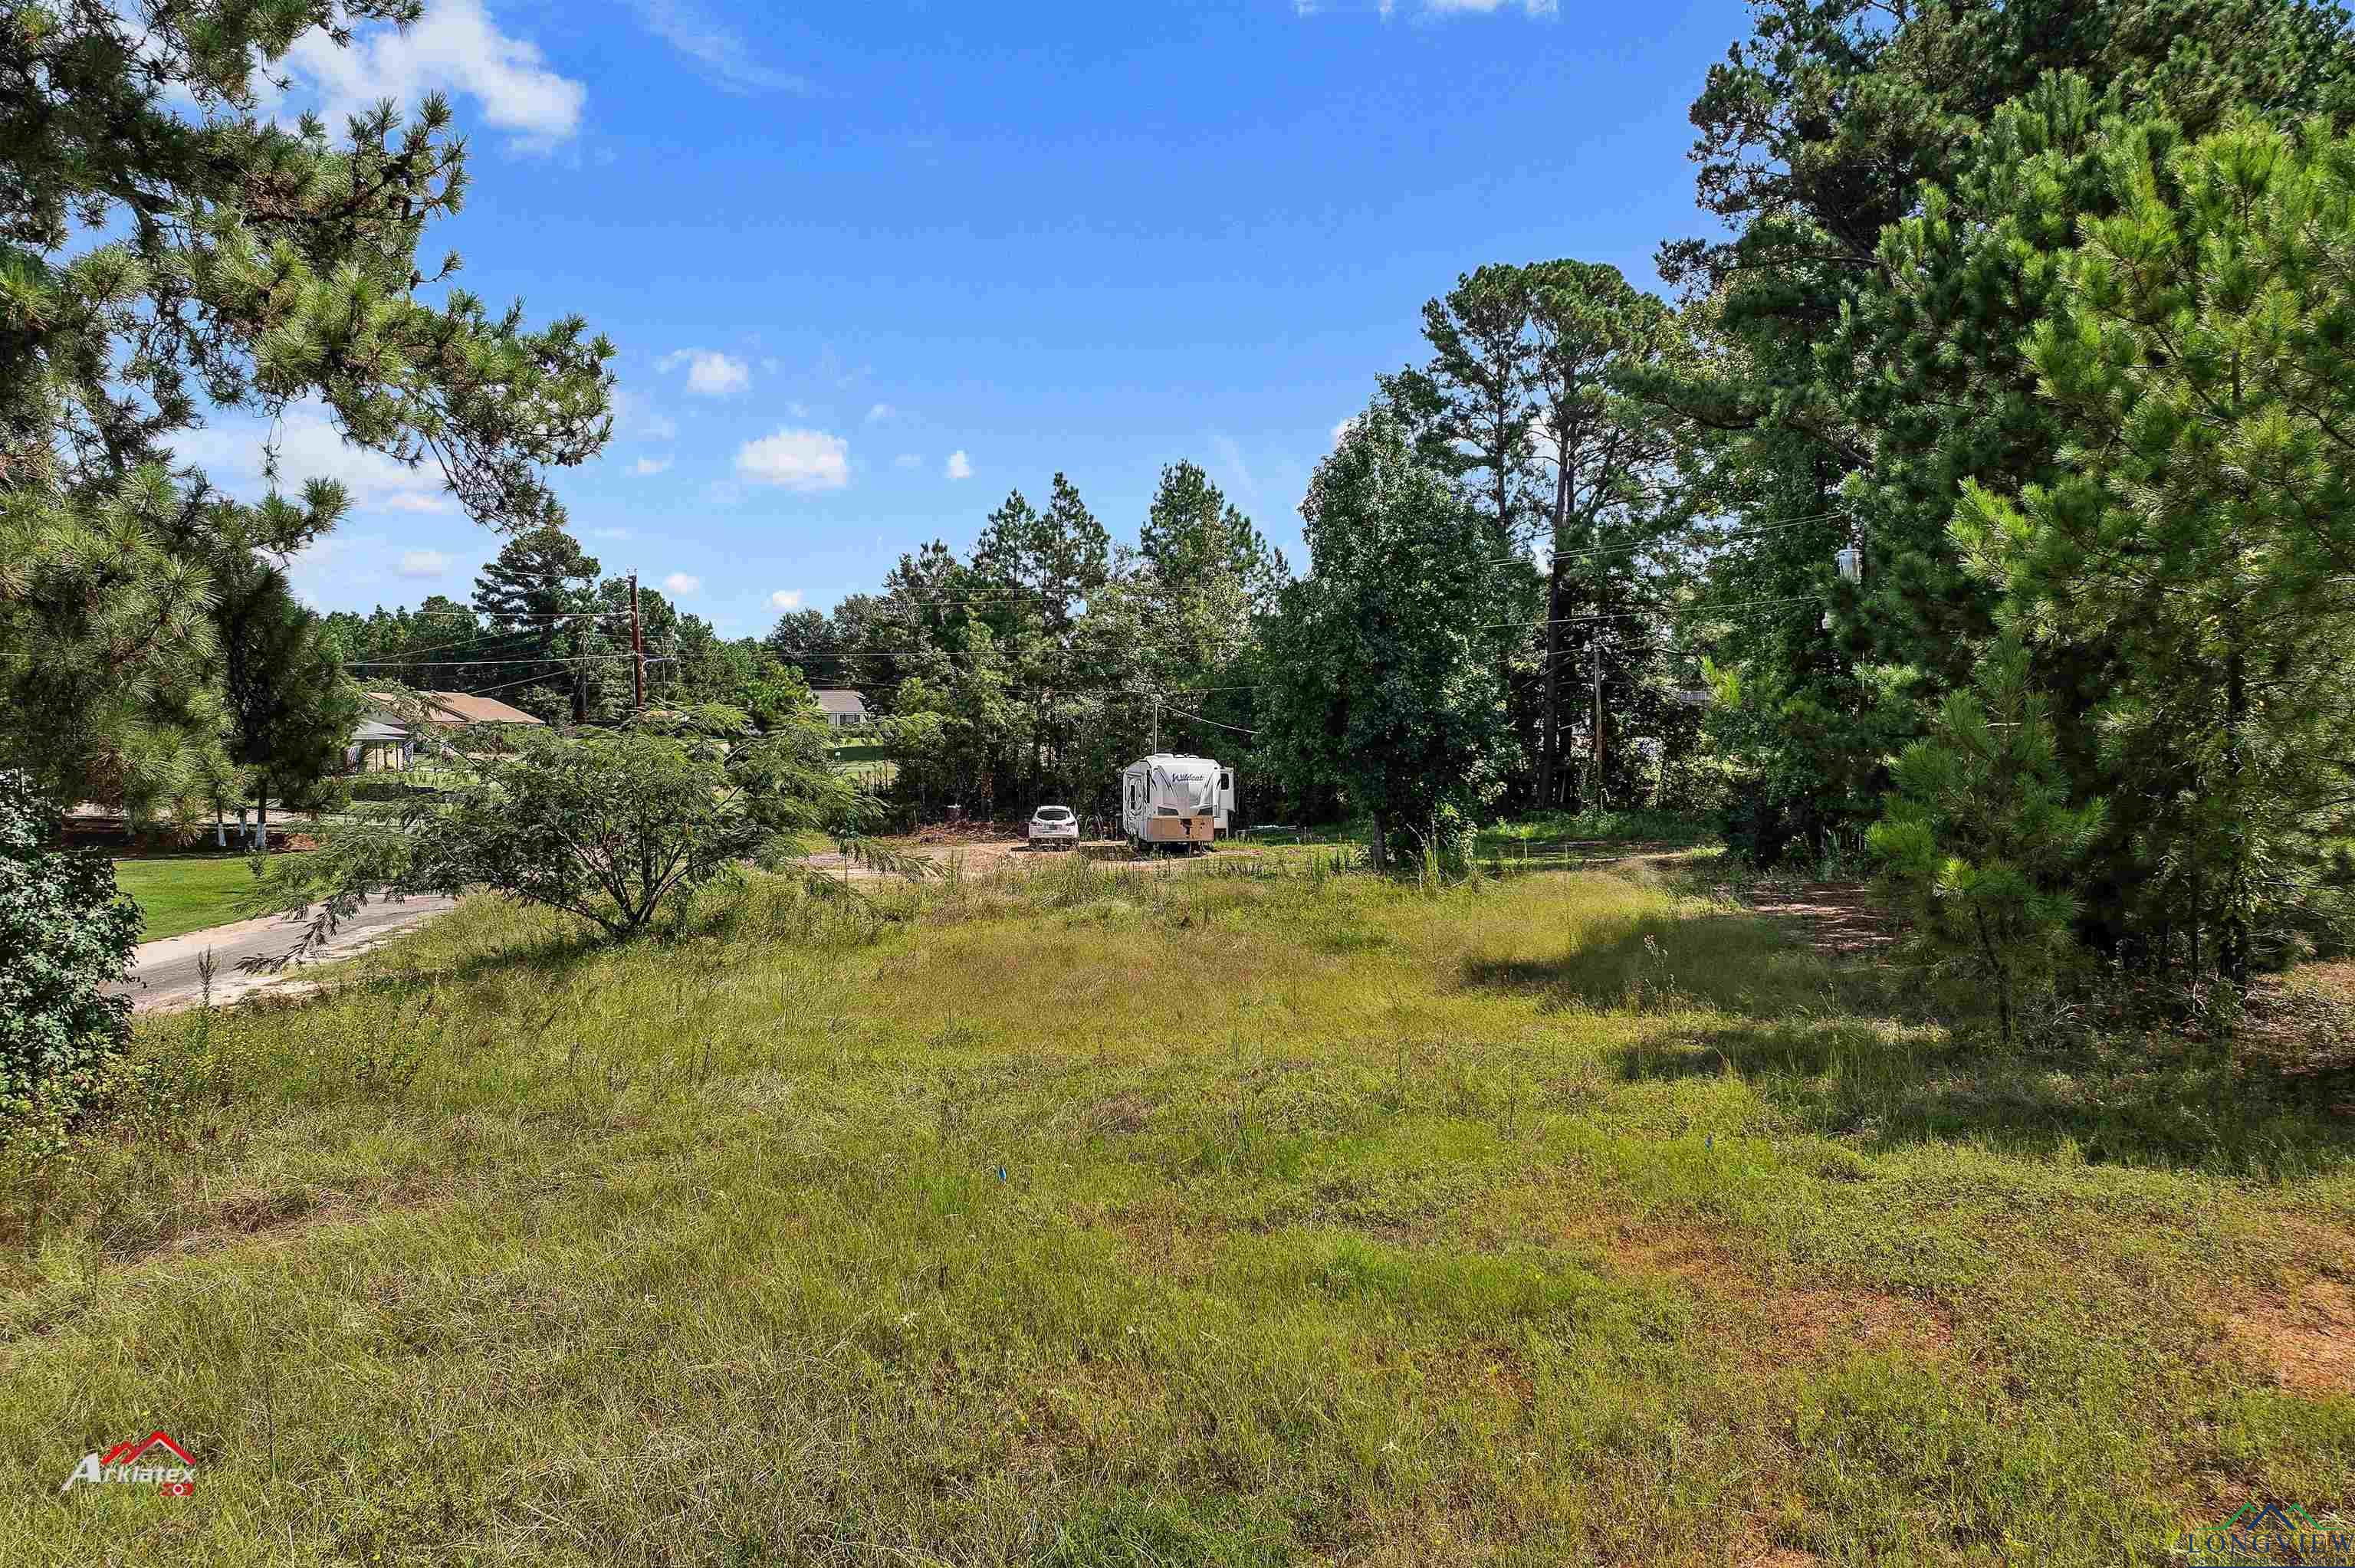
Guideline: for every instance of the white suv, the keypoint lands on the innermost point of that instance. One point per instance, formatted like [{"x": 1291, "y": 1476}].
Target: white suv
[{"x": 1054, "y": 827}]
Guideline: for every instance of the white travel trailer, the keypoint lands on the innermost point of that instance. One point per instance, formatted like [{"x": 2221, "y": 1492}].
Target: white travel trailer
[{"x": 1172, "y": 798}]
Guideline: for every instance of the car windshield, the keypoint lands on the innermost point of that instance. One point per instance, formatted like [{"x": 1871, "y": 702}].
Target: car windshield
[{"x": 1054, "y": 813}]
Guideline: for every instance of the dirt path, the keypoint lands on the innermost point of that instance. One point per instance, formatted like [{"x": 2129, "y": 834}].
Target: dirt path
[{"x": 1841, "y": 919}]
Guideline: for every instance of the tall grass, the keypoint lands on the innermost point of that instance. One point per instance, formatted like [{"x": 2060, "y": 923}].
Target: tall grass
[{"x": 1249, "y": 1210}]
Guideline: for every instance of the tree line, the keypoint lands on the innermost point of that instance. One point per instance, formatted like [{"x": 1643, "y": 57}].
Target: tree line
[{"x": 1980, "y": 485}]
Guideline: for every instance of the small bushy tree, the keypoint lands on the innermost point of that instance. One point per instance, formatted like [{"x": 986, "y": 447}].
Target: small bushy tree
[
  {"x": 607, "y": 826},
  {"x": 1980, "y": 838},
  {"x": 66, "y": 930}
]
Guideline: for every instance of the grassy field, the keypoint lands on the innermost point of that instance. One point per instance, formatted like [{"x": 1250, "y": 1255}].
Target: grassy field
[
  {"x": 179, "y": 893},
  {"x": 1241, "y": 1214}
]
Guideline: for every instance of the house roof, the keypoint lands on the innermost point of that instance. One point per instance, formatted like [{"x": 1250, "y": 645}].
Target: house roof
[
  {"x": 454, "y": 708},
  {"x": 377, "y": 729},
  {"x": 837, "y": 700}
]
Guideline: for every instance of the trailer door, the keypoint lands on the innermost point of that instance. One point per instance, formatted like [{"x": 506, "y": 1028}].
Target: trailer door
[{"x": 1226, "y": 800}]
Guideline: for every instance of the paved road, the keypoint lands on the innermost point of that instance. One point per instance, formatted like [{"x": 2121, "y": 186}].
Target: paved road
[{"x": 164, "y": 975}]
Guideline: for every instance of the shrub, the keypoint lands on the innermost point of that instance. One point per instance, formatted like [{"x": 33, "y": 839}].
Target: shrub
[{"x": 66, "y": 930}]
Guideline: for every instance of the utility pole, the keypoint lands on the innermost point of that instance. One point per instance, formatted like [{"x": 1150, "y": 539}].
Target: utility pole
[
  {"x": 637, "y": 653},
  {"x": 1595, "y": 640},
  {"x": 1156, "y": 728}
]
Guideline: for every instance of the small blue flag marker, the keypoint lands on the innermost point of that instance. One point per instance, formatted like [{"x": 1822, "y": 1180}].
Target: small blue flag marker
[{"x": 1001, "y": 1172}]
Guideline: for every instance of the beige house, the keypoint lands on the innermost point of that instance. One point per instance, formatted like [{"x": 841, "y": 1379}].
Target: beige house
[{"x": 383, "y": 742}]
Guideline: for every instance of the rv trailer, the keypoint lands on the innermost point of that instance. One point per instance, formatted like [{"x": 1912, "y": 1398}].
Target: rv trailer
[{"x": 1173, "y": 798}]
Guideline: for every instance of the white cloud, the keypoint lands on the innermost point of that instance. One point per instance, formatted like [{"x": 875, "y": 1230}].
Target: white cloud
[
  {"x": 909, "y": 460},
  {"x": 646, "y": 466},
  {"x": 805, "y": 461},
  {"x": 959, "y": 466},
  {"x": 456, "y": 46},
  {"x": 634, "y": 416},
  {"x": 798, "y": 409},
  {"x": 1230, "y": 458},
  {"x": 1341, "y": 431},
  {"x": 423, "y": 564},
  {"x": 880, "y": 412},
  {"x": 680, "y": 585},
  {"x": 726, "y": 60},
  {"x": 709, "y": 373},
  {"x": 786, "y": 598},
  {"x": 310, "y": 446},
  {"x": 609, "y": 532}
]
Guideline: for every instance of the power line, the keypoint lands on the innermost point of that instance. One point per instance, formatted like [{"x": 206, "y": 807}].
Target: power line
[
  {"x": 1642, "y": 614},
  {"x": 555, "y": 659},
  {"x": 1214, "y": 724}
]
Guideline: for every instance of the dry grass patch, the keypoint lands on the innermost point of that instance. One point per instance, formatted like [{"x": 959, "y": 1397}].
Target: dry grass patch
[{"x": 2304, "y": 1337}]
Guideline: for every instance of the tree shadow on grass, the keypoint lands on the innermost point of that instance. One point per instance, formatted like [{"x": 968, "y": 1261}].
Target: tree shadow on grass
[
  {"x": 1724, "y": 962},
  {"x": 2151, "y": 1101},
  {"x": 1856, "y": 1050}
]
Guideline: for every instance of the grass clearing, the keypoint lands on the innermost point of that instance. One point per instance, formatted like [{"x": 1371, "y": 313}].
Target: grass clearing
[
  {"x": 178, "y": 894},
  {"x": 1240, "y": 1213}
]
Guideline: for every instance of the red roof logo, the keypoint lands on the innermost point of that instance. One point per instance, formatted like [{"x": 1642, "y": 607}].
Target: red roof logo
[{"x": 128, "y": 1452}]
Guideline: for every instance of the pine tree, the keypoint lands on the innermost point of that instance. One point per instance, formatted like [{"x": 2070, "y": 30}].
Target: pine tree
[
  {"x": 1609, "y": 455},
  {"x": 2201, "y": 529},
  {"x": 1982, "y": 840},
  {"x": 290, "y": 708},
  {"x": 537, "y": 593},
  {"x": 239, "y": 265}
]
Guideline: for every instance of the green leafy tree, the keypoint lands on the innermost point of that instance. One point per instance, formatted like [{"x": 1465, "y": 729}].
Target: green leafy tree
[
  {"x": 1379, "y": 692},
  {"x": 166, "y": 250},
  {"x": 773, "y": 692},
  {"x": 68, "y": 932},
  {"x": 608, "y": 826},
  {"x": 2202, "y": 529},
  {"x": 1981, "y": 840}
]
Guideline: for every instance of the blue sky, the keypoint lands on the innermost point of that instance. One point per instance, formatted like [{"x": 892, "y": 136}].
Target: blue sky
[{"x": 870, "y": 266}]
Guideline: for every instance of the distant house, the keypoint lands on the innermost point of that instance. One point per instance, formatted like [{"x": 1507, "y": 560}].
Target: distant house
[
  {"x": 843, "y": 709},
  {"x": 383, "y": 742}
]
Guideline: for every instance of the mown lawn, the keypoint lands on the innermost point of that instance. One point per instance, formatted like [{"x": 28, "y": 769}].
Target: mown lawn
[
  {"x": 179, "y": 893},
  {"x": 1205, "y": 1217}
]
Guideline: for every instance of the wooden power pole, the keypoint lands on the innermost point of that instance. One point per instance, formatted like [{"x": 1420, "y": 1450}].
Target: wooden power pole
[
  {"x": 637, "y": 653},
  {"x": 1595, "y": 640}
]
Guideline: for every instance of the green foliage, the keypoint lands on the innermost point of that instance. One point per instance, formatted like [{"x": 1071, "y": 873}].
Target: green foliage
[
  {"x": 168, "y": 248},
  {"x": 536, "y": 578},
  {"x": 1377, "y": 692},
  {"x": 1899, "y": 189},
  {"x": 772, "y": 693},
  {"x": 67, "y": 931},
  {"x": 2202, "y": 535},
  {"x": 290, "y": 707},
  {"x": 608, "y": 826},
  {"x": 1981, "y": 840}
]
